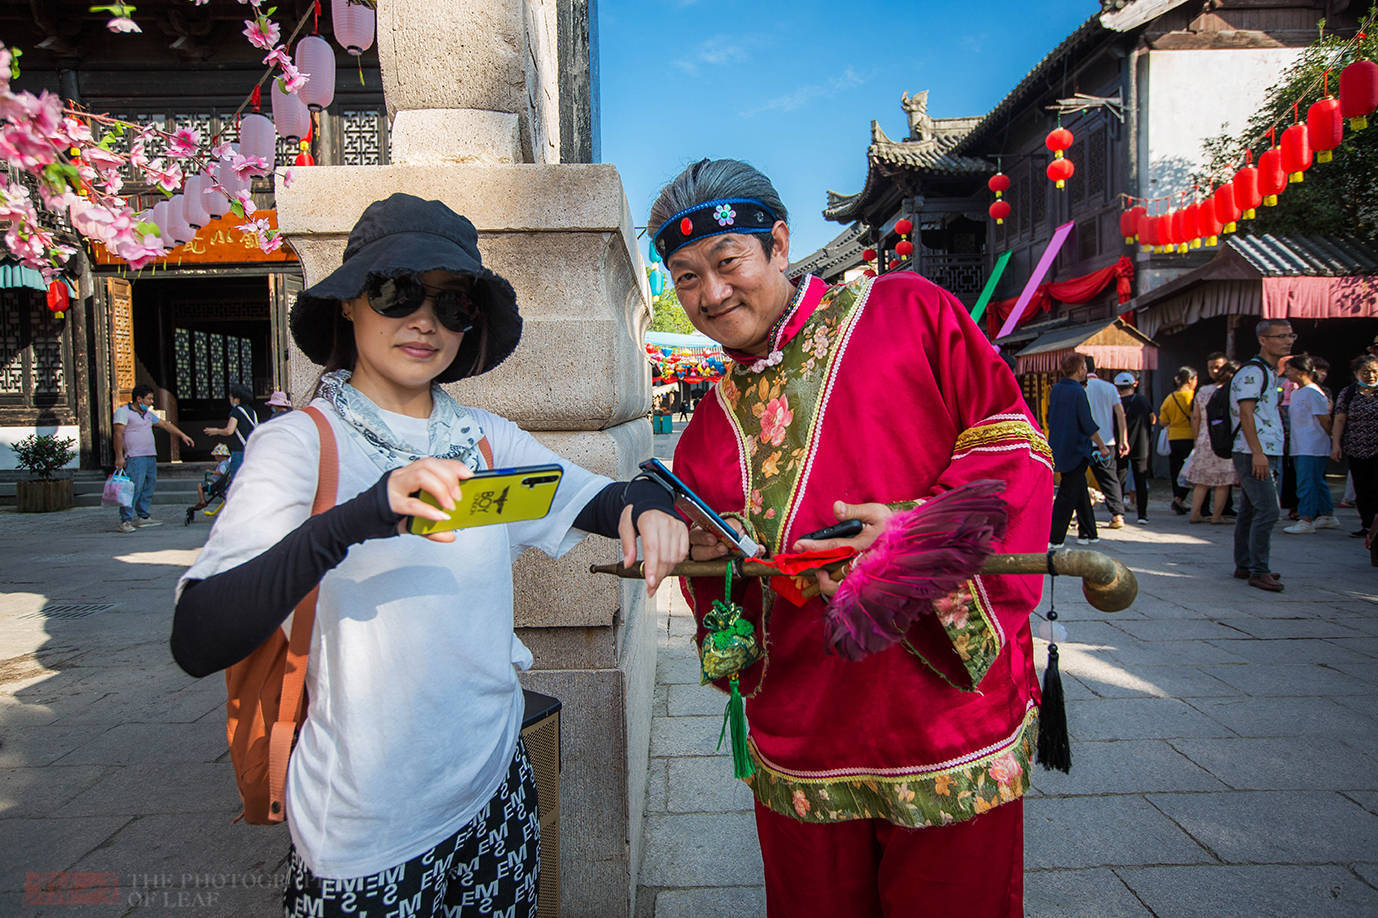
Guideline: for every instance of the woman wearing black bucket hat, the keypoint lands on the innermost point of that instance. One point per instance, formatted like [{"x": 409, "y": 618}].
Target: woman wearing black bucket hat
[{"x": 410, "y": 757}]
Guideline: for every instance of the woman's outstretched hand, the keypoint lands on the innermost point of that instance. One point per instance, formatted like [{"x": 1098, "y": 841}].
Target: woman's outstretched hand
[
  {"x": 664, "y": 541},
  {"x": 438, "y": 477}
]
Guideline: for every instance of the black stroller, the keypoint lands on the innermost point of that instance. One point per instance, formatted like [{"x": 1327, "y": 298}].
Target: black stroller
[{"x": 214, "y": 486}]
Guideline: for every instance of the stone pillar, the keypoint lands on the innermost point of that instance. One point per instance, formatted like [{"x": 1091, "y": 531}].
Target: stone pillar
[{"x": 471, "y": 89}]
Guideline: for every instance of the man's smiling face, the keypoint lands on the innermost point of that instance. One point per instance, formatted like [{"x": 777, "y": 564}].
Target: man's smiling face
[{"x": 730, "y": 289}]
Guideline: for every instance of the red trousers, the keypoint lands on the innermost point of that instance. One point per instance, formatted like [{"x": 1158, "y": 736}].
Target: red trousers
[{"x": 868, "y": 868}]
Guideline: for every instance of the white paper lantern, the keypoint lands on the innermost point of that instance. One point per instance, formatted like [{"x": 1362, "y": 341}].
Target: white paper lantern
[
  {"x": 216, "y": 204},
  {"x": 354, "y": 25},
  {"x": 161, "y": 218},
  {"x": 316, "y": 58},
  {"x": 257, "y": 137},
  {"x": 195, "y": 193},
  {"x": 291, "y": 117},
  {"x": 177, "y": 226},
  {"x": 232, "y": 183}
]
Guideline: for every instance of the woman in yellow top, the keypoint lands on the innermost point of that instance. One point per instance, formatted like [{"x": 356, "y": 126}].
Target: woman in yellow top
[{"x": 1175, "y": 415}]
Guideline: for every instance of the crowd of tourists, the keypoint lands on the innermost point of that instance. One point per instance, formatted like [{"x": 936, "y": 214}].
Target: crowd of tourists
[{"x": 1269, "y": 429}]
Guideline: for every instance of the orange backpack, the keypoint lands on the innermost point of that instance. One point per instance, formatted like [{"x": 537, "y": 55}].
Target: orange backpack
[{"x": 267, "y": 689}]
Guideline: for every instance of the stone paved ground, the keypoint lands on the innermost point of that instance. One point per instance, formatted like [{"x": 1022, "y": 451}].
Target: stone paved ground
[
  {"x": 1224, "y": 741},
  {"x": 1224, "y": 747}
]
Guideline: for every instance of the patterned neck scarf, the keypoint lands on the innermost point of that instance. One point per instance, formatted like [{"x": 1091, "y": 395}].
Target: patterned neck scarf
[{"x": 451, "y": 430}]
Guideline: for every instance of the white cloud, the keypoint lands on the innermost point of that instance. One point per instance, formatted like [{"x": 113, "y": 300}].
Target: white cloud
[
  {"x": 797, "y": 99},
  {"x": 715, "y": 52}
]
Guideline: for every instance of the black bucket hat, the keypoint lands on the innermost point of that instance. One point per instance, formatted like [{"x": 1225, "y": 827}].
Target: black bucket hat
[{"x": 407, "y": 235}]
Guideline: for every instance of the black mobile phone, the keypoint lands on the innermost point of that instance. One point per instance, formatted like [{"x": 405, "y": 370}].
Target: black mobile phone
[{"x": 843, "y": 530}]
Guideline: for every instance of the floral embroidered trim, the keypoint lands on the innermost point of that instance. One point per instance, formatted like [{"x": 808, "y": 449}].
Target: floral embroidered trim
[
  {"x": 984, "y": 435},
  {"x": 968, "y": 625},
  {"x": 915, "y": 797}
]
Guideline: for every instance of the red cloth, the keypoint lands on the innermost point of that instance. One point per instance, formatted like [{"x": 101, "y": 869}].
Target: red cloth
[
  {"x": 868, "y": 868},
  {"x": 796, "y": 562},
  {"x": 1353, "y": 296},
  {"x": 1074, "y": 291}
]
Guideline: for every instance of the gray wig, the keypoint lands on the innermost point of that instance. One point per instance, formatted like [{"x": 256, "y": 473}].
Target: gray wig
[{"x": 710, "y": 180}]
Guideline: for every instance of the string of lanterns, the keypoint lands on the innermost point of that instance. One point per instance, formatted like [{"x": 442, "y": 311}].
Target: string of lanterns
[{"x": 1202, "y": 218}]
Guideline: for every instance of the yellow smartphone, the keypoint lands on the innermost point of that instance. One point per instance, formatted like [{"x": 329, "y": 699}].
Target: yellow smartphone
[{"x": 496, "y": 496}]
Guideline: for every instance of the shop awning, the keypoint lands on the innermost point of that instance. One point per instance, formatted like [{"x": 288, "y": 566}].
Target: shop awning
[
  {"x": 1273, "y": 277},
  {"x": 1112, "y": 343},
  {"x": 13, "y": 274}
]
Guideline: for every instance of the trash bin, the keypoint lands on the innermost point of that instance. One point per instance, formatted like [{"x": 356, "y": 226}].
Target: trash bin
[{"x": 541, "y": 732}]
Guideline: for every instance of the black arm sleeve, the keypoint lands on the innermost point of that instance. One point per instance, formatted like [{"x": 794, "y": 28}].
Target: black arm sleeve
[
  {"x": 214, "y": 626},
  {"x": 601, "y": 514}
]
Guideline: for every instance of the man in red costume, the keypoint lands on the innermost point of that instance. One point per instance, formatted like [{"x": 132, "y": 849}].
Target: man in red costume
[{"x": 891, "y": 785}]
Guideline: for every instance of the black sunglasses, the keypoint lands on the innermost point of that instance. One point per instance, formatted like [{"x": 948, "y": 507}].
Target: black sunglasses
[{"x": 399, "y": 297}]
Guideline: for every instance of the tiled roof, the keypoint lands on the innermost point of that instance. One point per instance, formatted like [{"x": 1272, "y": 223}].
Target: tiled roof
[
  {"x": 885, "y": 157},
  {"x": 843, "y": 252},
  {"x": 1308, "y": 256}
]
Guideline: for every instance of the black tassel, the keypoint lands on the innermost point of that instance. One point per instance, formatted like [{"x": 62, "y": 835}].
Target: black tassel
[{"x": 1054, "y": 747}]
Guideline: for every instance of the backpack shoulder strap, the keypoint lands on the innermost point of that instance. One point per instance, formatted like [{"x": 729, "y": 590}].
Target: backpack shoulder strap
[
  {"x": 292, "y": 706},
  {"x": 486, "y": 450}
]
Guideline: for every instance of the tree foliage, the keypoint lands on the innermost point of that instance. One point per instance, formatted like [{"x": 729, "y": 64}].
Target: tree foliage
[
  {"x": 667, "y": 315},
  {"x": 1337, "y": 198}
]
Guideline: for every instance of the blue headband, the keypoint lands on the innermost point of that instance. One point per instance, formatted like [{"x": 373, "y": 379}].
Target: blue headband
[{"x": 713, "y": 218}]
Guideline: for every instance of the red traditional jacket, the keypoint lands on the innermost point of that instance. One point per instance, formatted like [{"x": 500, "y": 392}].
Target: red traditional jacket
[{"x": 880, "y": 391}]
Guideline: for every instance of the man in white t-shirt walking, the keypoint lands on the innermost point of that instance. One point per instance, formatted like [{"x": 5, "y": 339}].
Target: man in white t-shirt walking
[
  {"x": 1108, "y": 413},
  {"x": 137, "y": 454},
  {"x": 1258, "y": 443}
]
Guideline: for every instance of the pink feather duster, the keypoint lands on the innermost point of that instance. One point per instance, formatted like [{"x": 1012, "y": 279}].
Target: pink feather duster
[{"x": 922, "y": 555}]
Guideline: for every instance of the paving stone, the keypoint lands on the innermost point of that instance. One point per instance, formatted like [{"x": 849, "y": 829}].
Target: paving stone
[
  {"x": 705, "y": 785},
  {"x": 704, "y": 700},
  {"x": 1290, "y": 679},
  {"x": 1181, "y": 630},
  {"x": 1367, "y": 872},
  {"x": 655, "y": 785},
  {"x": 1078, "y": 894},
  {"x": 1272, "y": 891},
  {"x": 1125, "y": 767},
  {"x": 1302, "y": 627},
  {"x": 1366, "y": 799},
  {"x": 672, "y": 736},
  {"x": 127, "y": 744},
  {"x": 720, "y": 902},
  {"x": 1283, "y": 763},
  {"x": 49, "y": 845},
  {"x": 1367, "y": 646},
  {"x": 38, "y": 792},
  {"x": 1173, "y": 653},
  {"x": 1290, "y": 717},
  {"x": 1367, "y": 670},
  {"x": 1138, "y": 718},
  {"x": 677, "y": 667},
  {"x": 1103, "y": 831},
  {"x": 1261, "y": 827},
  {"x": 1294, "y": 650},
  {"x": 36, "y": 746},
  {"x": 686, "y": 849},
  {"x": 182, "y": 787},
  {"x": 1114, "y": 680}
]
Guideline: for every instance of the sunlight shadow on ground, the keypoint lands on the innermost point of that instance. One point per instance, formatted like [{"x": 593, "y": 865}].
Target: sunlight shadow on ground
[
  {"x": 176, "y": 557},
  {"x": 1080, "y": 660}
]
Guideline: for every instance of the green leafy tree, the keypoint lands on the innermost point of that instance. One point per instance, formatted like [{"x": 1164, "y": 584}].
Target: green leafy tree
[
  {"x": 1336, "y": 198},
  {"x": 667, "y": 315}
]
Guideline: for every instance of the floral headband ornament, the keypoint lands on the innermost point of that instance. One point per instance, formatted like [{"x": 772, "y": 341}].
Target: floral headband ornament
[{"x": 713, "y": 218}]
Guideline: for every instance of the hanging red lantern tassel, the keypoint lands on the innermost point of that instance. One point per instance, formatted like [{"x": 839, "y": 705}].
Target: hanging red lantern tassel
[
  {"x": 58, "y": 299},
  {"x": 1246, "y": 193},
  {"x": 1272, "y": 178},
  {"x": 1129, "y": 223},
  {"x": 904, "y": 248},
  {"x": 1296, "y": 152},
  {"x": 1226, "y": 210},
  {"x": 999, "y": 210},
  {"x": 1325, "y": 127},
  {"x": 998, "y": 183},
  {"x": 1359, "y": 92},
  {"x": 1061, "y": 168}
]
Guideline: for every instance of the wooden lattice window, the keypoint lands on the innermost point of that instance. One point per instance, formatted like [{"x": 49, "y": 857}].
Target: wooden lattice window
[{"x": 33, "y": 352}]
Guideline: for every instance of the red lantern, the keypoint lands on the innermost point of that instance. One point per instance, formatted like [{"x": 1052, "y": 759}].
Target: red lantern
[
  {"x": 1226, "y": 211},
  {"x": 1246, "y": 193},
  {"x": 1325, "y": 127},
  {"x": 1272, "y": 178},
  {"x": 999, "y": 210},
  {"x": 868, "y": 255},
  {"x": 1191, "y": 224},
  {"x": 58, "y": 298},
  {"x": 1359, "y": 92},
  {"x": 1058, "y": 139},
  {"x": 1059, "y": 171},
  {"x": 869, "y": 272},
  {"x": 999, "y": 183},
  {"x": 1147, "y": 230},
  {"x": 1181, "y": 233},
  {"x": 1129, "y": 223},
  {"x": 904, "y": 227},
  {"x": 904, "y": 248},
  {"x": 1208, "y": 222},
  {"x": 304, "y": 158},
  {"x": 1296, "y": 152}
]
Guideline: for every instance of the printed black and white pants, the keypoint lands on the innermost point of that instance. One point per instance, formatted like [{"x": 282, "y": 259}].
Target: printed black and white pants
[{"x": 490, "y": 867}]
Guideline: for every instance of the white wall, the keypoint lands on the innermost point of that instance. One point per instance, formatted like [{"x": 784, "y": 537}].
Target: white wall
[
  {"x": 9, "y": 436},
  {"x": 1195, "y": 95}
]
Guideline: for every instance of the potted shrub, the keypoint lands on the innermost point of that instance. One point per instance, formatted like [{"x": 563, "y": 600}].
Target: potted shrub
[{"x": 41, "y": 456}]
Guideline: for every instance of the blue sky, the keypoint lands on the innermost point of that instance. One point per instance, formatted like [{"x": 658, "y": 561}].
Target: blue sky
[{"x": 792, "y": 87}]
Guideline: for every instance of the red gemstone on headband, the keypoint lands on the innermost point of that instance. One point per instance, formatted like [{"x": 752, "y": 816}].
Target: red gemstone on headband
[{"x": 686, "y": 226}]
